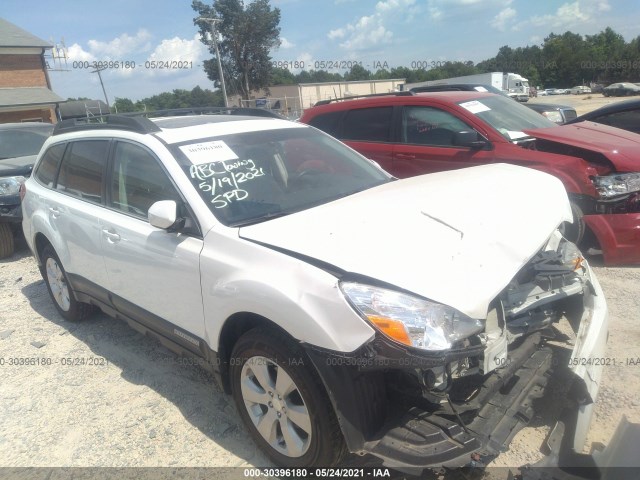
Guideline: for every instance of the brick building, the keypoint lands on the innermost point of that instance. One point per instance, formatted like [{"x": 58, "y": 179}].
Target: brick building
[{"x": 25, "y": 89}]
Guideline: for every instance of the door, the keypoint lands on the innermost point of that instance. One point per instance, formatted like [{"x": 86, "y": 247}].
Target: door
[
  {"x": 154, "y": 274},
  {"x": 427, "y": 143},
  {"x": 74, "y": 211}
]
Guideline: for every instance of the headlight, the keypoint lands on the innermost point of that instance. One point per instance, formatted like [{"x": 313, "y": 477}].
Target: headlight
[
  {"x": 410, "y": 320},
  {"x": 571, "y": 257},
  {"x": 618, "y": 184},
  {"x": 10, "y": 185}
]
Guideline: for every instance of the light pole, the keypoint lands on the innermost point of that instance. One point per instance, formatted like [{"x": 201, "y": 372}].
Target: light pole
[
  {"x": 98, "y": 70},
  {"x": 212, "y": 22}
]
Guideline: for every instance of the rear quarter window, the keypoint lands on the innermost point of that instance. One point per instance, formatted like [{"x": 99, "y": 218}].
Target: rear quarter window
[{"x": 48, "y": 166}]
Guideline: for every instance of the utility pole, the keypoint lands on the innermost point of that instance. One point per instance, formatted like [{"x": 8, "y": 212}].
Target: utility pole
[
  {"x": 212, "y": 22},
  {"x": 98, "y": 70}
]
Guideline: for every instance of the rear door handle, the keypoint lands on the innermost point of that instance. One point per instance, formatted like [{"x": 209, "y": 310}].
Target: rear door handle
[
  {"x": 405, "y": 156},
  {"x": 112, "y": 236},
  {"x": 54, "y": 211}
]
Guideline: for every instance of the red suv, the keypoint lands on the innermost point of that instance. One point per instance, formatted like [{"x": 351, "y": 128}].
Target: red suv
[{"x": 412, "y": 134}]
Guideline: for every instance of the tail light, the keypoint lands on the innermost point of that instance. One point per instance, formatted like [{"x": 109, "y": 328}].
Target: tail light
[{"x": 22, "y": 191}]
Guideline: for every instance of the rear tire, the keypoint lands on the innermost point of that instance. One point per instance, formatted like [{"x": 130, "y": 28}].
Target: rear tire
[
  {"x": 58, "y": 285},
  {"x": 282, "y": 401},
  {"x": 7, "y": 244}
]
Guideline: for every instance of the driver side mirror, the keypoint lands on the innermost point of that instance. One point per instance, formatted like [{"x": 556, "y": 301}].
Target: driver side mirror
[
  {"x": 163, "y": 214},
  {"x": 471, "y": 139}
]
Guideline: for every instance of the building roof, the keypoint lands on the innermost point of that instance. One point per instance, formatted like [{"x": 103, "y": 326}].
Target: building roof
[
  {"x": 14, "y": 36},
  {"x": 27, "y": 96}
]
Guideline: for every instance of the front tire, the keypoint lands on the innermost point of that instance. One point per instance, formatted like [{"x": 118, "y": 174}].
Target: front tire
[
  {"x": 282, "y": 401},
  {"x": 7, "y": 245},
  {"x": 59, "y": 289}
]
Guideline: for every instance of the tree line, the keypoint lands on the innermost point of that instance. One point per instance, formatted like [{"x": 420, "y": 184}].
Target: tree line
[
  {"x": 178, "y": 98},
  {"x": 561, "y": 61}
]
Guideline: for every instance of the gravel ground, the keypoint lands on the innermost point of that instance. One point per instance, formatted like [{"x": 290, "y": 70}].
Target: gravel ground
[
  {"x": 112, "y": 397},
  {"x": 582, "y": 103}
]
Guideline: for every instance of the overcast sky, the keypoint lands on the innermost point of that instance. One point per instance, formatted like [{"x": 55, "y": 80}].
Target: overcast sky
[{"x": 385, "y": 33}]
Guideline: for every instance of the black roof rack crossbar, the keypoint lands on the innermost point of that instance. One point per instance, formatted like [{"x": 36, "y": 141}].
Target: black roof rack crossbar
[
  {"x": 106, "y": 122},
  {"x": 351, "y": 97}
]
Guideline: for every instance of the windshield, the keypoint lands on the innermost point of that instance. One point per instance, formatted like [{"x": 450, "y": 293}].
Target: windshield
[
  {"x": 507, "y": 116},
  {"x": 21, "y": 143},
  {"x": 250, "y": 177}
]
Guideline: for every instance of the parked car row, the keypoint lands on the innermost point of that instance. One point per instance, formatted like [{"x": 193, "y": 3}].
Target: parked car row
[
  {"x": 577, "y": 90},
  {"x": 623, "y": 89}
]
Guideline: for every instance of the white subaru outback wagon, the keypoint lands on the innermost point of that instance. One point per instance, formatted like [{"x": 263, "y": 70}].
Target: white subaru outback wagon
[{"x": 344, "y": 310}]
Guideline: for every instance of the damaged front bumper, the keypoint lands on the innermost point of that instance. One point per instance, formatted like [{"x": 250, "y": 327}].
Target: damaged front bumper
[
  {"x": 416, "y": 409},
  {"x": 617, "y": 461}
]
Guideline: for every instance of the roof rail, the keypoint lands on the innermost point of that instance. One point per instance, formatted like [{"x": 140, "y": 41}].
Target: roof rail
[
  {"x": 395, "y": 94},
  {"x": 177, "y": 112},
  {"x": 106, "y": 122}
]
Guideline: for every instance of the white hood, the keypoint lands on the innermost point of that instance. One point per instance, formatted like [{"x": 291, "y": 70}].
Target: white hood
[{"x": 456, "y": 237}]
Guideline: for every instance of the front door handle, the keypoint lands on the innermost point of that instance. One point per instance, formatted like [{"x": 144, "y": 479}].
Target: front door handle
[
  {"x": 54, "y": 211},
  {"x": 405, "y": 156},
  {"x": 112, "y": 236}
]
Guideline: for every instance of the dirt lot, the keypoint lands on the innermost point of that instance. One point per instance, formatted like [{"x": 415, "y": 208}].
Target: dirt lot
[
  {"x": 582, "y": 103},
  {"x": 111, "y": 397},
  {"x": 103, "y": 395}
]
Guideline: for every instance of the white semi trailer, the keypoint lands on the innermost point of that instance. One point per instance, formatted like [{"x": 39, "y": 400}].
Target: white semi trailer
[{"x": 512, "y": 84}]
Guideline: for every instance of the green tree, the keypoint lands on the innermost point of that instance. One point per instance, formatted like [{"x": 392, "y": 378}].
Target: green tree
[
  {"x": 450, "y": 70},
  {"x": 123, "y": 105},
  {"x": 410, "y": 75},
  {"x": 248, "y": 33},
  {"x": 606, "y": 52},
  {"x": 317, "y": 76},
  {"x": 180, "y": 98},
  {"x": 357, "y": 72},
  {"x": 281, "y": 76},
  {"x": 382, "y": 74}
]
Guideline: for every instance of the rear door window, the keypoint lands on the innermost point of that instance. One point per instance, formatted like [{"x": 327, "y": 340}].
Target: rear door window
[
  {"x": 328, "y": 123},
  {"x": 368, "y": 124}
]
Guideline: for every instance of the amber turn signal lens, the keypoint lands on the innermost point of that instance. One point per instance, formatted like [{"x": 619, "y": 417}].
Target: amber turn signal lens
[{"x": 391, "y": 328}]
